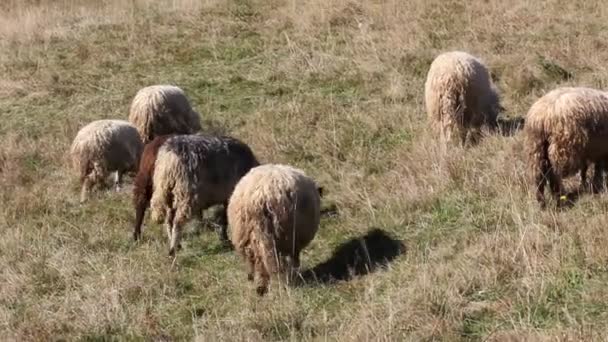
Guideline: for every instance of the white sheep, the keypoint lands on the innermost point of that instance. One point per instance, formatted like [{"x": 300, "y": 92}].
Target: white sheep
[
  {"x": 102, "y": 147},
  {"x": 273, "y": 214},
  {"x": 460, "y": 97},
  {"x": 163, "y": 109},
  {"x": 565, "y": 131}
]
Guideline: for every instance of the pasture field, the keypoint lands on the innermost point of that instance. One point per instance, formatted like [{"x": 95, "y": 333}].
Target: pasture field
[{"x": 334, "y": 87}]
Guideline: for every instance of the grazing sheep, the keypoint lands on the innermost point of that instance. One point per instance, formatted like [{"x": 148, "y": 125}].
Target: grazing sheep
[
  {"x": 193, "y": 173},
  {"x": 566, "y": 130},
  {"x": 142, "y": 189},
  {"x": 273, "y": 214},
  {"x": 102, "y": 147},
  {"x": 161, "y": 110},
  {"x": 460, "y": 97}
]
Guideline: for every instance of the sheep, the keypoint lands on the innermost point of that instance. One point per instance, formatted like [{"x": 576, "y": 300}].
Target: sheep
[
  {"x": 102, "y": 147},
  {"x": 273, "y": 213},
  {"x": 460, "y": 97},
  {"x": 565, "y": 131},
  {"x": 161, "y": 110},
  {"x": 142, "y": 189},
  {"x": 193, "y": 173}
]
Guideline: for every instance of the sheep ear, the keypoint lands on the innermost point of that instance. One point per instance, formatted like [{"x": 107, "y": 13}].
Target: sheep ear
[{"x": 320, "y": 189}]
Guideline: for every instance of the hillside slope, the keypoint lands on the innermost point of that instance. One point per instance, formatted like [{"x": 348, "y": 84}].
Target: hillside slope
[{"x": 332, "y": 87}]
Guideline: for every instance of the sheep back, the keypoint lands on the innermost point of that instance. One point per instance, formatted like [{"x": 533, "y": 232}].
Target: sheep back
[
  {"x": 104, "y": 146},
  {"x": 161, "y": 110},
  {"x": 570, "y": 127},
  {"x": 459, "y": 94},
  {"x": 194, "y": 172}
]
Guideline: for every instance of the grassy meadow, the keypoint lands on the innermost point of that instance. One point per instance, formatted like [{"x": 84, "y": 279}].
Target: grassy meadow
[{"x": 334, "y": 87}]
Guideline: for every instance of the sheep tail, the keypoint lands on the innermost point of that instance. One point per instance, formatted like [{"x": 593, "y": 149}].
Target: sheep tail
[
  {"x": 266, "y": 243},
  {"x": 452, "y": 115},
  {"x": 542, "y": 169}
]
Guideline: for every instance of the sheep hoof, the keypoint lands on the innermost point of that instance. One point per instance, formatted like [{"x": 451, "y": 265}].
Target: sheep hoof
[
  {"x": 250, "y": 276},
  {"x": 172, "y": 252},
  {"x": 261, "y": 290}
]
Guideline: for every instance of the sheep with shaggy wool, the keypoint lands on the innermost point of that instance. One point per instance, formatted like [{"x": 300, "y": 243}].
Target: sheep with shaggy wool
[
  {"x": 142, "y": 189},
  {"x": 565, "y": 131},
  {"x": 161, "y": 110},
  {"x": 102, "y": 147},
  {"x": 273, "y": 214},
  {"x": 193, "y": 173},
  {"x": 460, "y": 97}
]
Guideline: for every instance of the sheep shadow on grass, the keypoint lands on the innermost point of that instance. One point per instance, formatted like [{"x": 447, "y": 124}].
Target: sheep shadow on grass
[{"x": 355, "y": 257}]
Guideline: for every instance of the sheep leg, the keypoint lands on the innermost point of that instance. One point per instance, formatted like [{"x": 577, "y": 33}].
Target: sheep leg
[
  {"x": 604, "y": 164},
  {"x": 169, "y": 223},
  {"x": 474, "y": 136},
  {"x": 541, "y": 180},
  {"x": 250, "y": 261},
  {"x": 292, "y": 264},
  {"x": 584, "y": 185},
  {"x": 462, "y": 135},
  {"x": 556, "y": 186},
  {"x": 176, "y": 234},
  {"x": 140, "y": 210},
  {"x": 118, "y": 180},
  {"x": 540, "y": 192},
  {"x": 223, "y": 223},
  {"x": 87, "y": 184},
  {"x": 261, "y": 276},
  {"x": 598, "y": 177}
]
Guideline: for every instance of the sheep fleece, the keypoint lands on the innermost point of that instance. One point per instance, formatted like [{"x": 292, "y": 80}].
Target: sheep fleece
[
  {"x": 162, "y": 109},
  {"x": 273, "y": 213},
  {"x": 567, "y": 126},
  {"x": 459, "y": 95},
  {"x": 104, "y": 146},
  {"x": 194, "y": 172}
]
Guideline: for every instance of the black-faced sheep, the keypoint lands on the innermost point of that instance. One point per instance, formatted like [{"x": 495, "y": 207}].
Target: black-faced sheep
[
  {"x": 102, "y": 147},
  {"x": 193, "y": 173},
  {"x": 460, "y": 97},
  {"x": 273, "y": 214},
  {"x": 142, "y": 189},
  {"x": 161, "y": 110},
  {"x": 565, "y": 131}
]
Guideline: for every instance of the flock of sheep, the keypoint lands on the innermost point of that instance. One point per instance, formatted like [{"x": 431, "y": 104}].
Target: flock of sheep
[
  {"x": 565, "y": 130},
  {"x": 273, "y": 210}
]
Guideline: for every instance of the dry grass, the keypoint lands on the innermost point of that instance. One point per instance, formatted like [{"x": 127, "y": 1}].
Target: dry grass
[{"x": 335, "y": 88}]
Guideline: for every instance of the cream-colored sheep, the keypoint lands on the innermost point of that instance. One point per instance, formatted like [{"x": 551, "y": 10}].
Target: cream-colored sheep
[
  {"x": 163, "y": 109},
  {"x": 102, "y": 147},
  {"x": 193, "y": 173},
  {"x": 565, "y": 131},
  {"x": 460, "y": 98},
  {"x": 273, "y": 214}
]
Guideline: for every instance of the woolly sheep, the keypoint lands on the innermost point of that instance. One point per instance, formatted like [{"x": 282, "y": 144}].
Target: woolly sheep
[
  {"x": 142, "y": 189},
  {"x": 565, "y": 131},
  {"x": 460, "y": 97},
  {"x": 193, "y": 173},
  {"x": 273, "y": 214},
  {"x": 161, "y": 110},
  {"x": 102, "y": 147}
]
